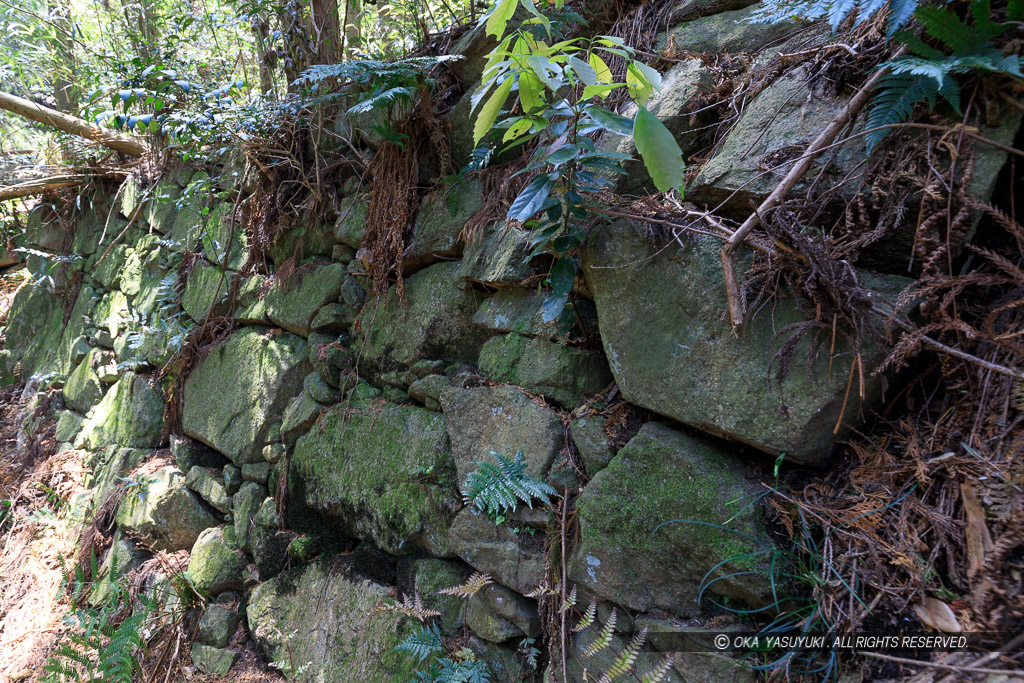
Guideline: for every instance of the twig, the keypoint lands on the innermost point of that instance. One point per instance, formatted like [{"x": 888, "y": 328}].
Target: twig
[
  {"x": 944, "y": 667},
  {"x": 561, "y": 634},
  {"x": 783, "y": 188}
]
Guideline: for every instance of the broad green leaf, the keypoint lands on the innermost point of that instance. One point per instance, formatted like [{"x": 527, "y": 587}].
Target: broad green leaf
[
  {"x": 601, "y": 68},
  {"x": 609, "y": 120},
  {"x": 642, "y": 80},
  {"x": 530, "y": 92},
  {"x": 562, "y": 155},
  {"x": 532, "y": 9},
  {"x": 584, "y": 71},
  {"x": 517, "y": 129},
  {"x": 600, "y": 90},
  {"x": 659, "y": 150},
  {"x": 531, "y": 199},
  {"x": 544, "y": 69},
  {"x": 489, "y": 112},
  {"x": 503, "y": 11},
  {"x": 561, "y": 279}
]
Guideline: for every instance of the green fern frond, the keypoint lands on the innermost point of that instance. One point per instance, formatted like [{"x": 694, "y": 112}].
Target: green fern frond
[
  {"x": 588, "y": 617},
  {"x": 570, "y": 600},
  {"x": 625, "y": 661},
  {"x": 604, "y": 639},
  {"x": 423, "y": 643},
  {"x": 658, "y": 673},
  {"x": 411, "y": 607},
  {"x": 498, "y": 488},
  {"x": 473, "y": 585},
  {"x": 895, "y": 101},
  {"x": 946, "y": 26}
]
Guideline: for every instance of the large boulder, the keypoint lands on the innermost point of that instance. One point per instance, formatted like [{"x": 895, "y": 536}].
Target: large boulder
[
  {"x": 729, "y": 31},
  {"x": 34, "y": 322},
  {"x": 131, "y": 414},
  {"x": 499, "y": 419},
  {"x": 513, "y": 558},
  {"x": 773, "y": 129},
  {"x": 563, "y": 373},
  {"x": 439, "y": 222},
  {"x": 215, "y": 564},
  {"x": 83, "y": 389},
  {"x": 233, "y": 397},
  {"x": 435, "y": 323},
  {"x": 672, "y": 349},
  {"x": 163, "y": 511},
  {"x": 323, "y": 613},
  {"x": 499, "y": 256},
  {"x": 662, "y": 475},
  {"x": 520, "y": 311},
  {"x": 379, "y": 472},
  {"x": 293, "y": 303}
]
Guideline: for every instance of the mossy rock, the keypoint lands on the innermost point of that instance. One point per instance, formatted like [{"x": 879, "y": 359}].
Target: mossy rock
[
  {"x": 293, "y": 303},
  {"x": 233, "y": 397},
  {"x": 131, "y": 414},
  {"x": 215, "y": 564},
  {"x": 513, "y": 558},
  {"x": 499, "y": 256},
  {"x": 34, "y": 322},
  {"x": 108, "y": 468},
  {"x": 164, "y": 512},
  {"x": 443, "y": 214},
  {"x": 351, "y": 226},
  {"x": 245, "y": 504},
  {"x": 225, "y": 241},
  {"x": 325, "y": 614},
  {"x": 83, "y": 389},
  {"x": 673, "y": 351},
  {"x": 123, "y": 556},
  {"x": 565, "y": 374},
  {"x": 626, "y": 556},
  {"x": 435, "y": 323},
  {"x": 519, "y": 310},
  {"x": 379, "y": 472},
  {"x": 499, "y": 419}
]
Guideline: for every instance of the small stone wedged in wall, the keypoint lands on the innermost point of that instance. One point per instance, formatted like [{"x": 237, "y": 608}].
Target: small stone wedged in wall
[{"x": 165, "y": 512}]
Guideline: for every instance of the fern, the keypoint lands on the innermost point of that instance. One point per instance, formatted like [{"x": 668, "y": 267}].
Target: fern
[
  {"x": 570, "y": 600},
  {"x": 473, "y": 585},
  {"x": 498, "y": 488},
  {"x": 588, "y": 617},
  {"x": 658, "y": 673},
  {"x": 929, "y": 73},
  {"x": 450, "y": 671},
  {"x": 604, "y": 639},
  {"x": 835, "y": 11},
  {"x": 423, "y": 643},
  {"x": 411, "y": 607},
  {"x": 624, "y": 662}
]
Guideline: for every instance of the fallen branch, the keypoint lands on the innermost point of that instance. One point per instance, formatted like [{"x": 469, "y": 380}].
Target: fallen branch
[
  {"x": 40, "y": 186},
  {"x": 824, "y": 139},
  {"x": 71, "y": 124}
]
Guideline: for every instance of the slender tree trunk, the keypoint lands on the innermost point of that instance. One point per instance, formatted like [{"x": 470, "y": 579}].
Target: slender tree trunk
[
  {"x": 326, "y": 31},
  {"x": 70, "y": 124},
  {"x": 64, "y": 94},
  {"x": 353, "y": 34}
]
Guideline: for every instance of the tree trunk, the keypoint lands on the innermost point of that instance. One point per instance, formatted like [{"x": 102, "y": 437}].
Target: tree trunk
[
  {"x": 326, "y": 31},
  {"x": 353, "y": 34},
  {"x": 70, "y": 124}
]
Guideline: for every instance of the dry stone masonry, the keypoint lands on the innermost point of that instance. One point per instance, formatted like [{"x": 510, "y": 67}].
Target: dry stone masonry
[{"x": 314, "y": 449}]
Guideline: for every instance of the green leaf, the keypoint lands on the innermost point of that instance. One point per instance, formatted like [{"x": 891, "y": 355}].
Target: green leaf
[
  {"x": 531, "y": 199},
  {"x": 543, "y": 68},
  {"x": 532, "y": 9},
  {"x": 561, "y": 279},
  {"x": 530, "y": 91},
  {"x": 586, "y": 73},
  {"x": 499, "y": 18},
  {"x": 600, "y": 90},
  {"x": 489, "y": 112},
  {"x": 659, "y": 150},
  {"x": 609, "y": 120}
]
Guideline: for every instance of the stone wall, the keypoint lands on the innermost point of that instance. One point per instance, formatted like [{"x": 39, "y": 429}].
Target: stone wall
[{"x": 362, "y": 416}]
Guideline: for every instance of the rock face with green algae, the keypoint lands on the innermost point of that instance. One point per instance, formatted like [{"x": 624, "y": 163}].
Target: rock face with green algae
[
  {"x": 215, "y": 564},
  {"x": 214, "y": 661},
  {"x": 34, "y": 323},
  {"x": 659, "y": 476},
  {"x": 498, "y": 257},
  {"x": 499, "y": 419},
  {"x": 83, "y": 389},
  {"x": 513, "y": 559},
  {"x": 439, "y": 223},
  {"x": 362, "y": 467},
  {"x": 293, "y": 303},
  {"x": 165, "y": 512},
  {"x": 673, "y": 351},
  {"x": 324, "y": 613},
  {"x": 563, "y": 373},
  {"x": 436, "y": 323},
  {"x": 519, "y": 310},
  {"x": 233, "y": 397},
  {"x": 130, "y": 414}
]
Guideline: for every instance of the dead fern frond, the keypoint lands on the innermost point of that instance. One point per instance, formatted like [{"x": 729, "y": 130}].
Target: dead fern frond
[
  {"x": 411, "y": 607},
  {"x": 604, "y": 639},
  {"x": 473, "y": 585}
]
